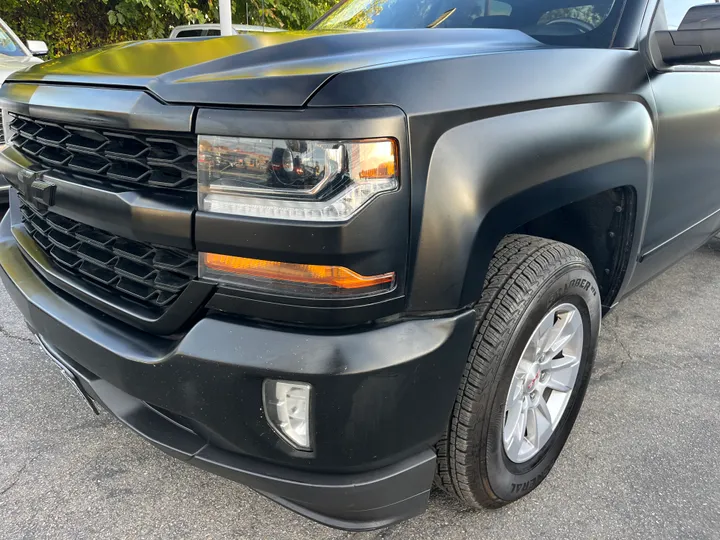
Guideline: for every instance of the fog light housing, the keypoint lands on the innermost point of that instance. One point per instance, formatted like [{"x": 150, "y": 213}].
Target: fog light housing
[{"x": 288, "y": 411}]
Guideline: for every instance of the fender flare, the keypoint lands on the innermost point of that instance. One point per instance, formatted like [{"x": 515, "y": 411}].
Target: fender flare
[{"x": 488, "y": 177}]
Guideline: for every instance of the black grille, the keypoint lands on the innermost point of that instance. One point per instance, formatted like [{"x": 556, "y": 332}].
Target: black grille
[
  {"x": 2, "y": 134},
  {"x": 151, "y": 275},
  {"x": 116, "y": 157}
]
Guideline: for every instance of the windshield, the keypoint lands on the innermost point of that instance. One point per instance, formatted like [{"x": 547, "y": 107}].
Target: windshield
[
  {"x": 8, "y": 45},
  {"x": 582, "y": 23}
]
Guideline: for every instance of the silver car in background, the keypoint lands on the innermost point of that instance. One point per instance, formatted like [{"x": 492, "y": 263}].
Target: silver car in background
[
  {"x": 14, "y": 55},
  {"x": 211, "y": 30}
]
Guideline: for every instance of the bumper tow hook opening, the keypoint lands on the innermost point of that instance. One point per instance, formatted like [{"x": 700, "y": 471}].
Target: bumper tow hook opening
[{"x": 69, "y": 377}]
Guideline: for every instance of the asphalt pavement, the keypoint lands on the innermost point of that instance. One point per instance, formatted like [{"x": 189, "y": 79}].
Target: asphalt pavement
[{"x": 643, "y": 460}]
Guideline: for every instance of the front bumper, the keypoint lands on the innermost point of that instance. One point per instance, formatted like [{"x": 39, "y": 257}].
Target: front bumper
[{"x": 383, "y": 396}]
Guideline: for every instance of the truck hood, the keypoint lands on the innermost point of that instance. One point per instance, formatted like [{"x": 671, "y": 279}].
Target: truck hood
[
  {"x": 10, "y": 64},
  {"x": 281, "y": 69}
]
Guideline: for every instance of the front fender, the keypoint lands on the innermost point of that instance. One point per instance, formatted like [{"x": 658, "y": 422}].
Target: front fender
[{"x": 488, "y": 177}]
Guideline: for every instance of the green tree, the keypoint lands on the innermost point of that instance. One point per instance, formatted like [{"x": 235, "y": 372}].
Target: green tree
[
  {"x": 288, "y": 14},
  {"x": 66, "y": 25},
  {"x": 591, "y": 14},
  {"x": 159, "y": 15},
  {"x": 76, "y": 25}
]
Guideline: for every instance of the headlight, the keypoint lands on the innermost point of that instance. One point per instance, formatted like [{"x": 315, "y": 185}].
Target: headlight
[{"x": 317, "y": 181}]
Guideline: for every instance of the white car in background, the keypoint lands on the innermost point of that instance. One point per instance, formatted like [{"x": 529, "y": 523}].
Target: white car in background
[
  {"x": 206, "y": 30},
  {"x": 14, "y": 55}
]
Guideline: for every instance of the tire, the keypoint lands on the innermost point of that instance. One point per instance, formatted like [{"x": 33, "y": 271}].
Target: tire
[{"x": 529, "y": 278}]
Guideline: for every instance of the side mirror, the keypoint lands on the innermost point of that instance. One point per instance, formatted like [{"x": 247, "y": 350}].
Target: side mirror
[
  {"x": 696, "y": 40},
  {"x": 37, "y": 48}
]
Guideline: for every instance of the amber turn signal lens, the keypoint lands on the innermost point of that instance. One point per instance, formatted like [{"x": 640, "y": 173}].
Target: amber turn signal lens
[{"x": 337, "y": 277}]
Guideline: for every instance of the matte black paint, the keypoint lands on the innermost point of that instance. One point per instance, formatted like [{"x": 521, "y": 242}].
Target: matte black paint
[
  {"x": 354, "y": 501},
  {"x": 274, "y": 69},
  {"x": 466, "y": 213},
  {"x": 527, "y": 82},
  {"x": 686, "y": 187},
  {"x": 494, "y": 131},
  {"x": 101, "y": 107},
  {"x": 213, "y": 374}
]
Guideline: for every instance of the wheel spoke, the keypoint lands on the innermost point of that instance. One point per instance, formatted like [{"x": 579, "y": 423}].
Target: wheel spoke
[
  {"x": 515, "y": 426},
  {"x": 561, "y": 364},
  {"x": 513, "y": 446},
  {"x": 561, "y": 333},
  {"x": 543, "y": 409},
  {"x": 562, "y": 371},
  {"x": 514, "y": 394},
  {"x": 515, "y": 420},
  {"x": 539, "y": 428},
  {"x": 532, "y": 427},
  {"x": 542, "y": 333},
  {"x": 526, "y": 360},
  {"x": 555, "y": 384}
]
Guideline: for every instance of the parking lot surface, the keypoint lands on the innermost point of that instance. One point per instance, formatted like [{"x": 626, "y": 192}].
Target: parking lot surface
[{"x": 643, "y": 460}]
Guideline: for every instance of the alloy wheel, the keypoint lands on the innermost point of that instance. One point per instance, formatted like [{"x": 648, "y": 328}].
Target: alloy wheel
[{"x": 543, "y": 383}]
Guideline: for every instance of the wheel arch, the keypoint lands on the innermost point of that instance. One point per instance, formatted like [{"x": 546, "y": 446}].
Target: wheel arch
[{"x": 494, "y": 176}]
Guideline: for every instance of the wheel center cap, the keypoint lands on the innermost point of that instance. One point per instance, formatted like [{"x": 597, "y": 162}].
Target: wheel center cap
[{"x": 532, "y": 378}]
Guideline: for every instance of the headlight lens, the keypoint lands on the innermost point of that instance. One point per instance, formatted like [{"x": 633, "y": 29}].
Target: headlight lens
[{"x": 299, "y": 180}]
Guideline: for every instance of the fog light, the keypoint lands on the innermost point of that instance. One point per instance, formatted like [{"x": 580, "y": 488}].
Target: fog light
[{"x": 288, "y": 410}]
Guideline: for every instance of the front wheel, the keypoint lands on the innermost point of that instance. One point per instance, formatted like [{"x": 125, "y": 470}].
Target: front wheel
[{"x": 526, "y": 376}]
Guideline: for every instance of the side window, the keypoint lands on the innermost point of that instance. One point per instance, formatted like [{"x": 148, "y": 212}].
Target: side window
[
  {"x": 499, "y": 8},
  {"x": 189, "y": 33},
  {"x": 591, "y": 14},
  {"x": 675, "y": 11},
  {"x": 7, "y": 44},
  {"x": 213, "y": 32}
]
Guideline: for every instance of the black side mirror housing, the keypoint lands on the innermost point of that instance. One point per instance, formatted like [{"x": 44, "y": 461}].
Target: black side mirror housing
[
  {"x": 689, "y": 46},
  {"x": 696, "y": 40}
]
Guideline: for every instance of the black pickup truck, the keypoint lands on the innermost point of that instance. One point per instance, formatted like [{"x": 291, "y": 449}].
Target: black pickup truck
[{"x": 341, "y": 265}]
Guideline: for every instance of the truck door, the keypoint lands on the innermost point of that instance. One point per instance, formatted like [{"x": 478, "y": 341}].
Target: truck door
[{"x": 685, "y": 205}]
